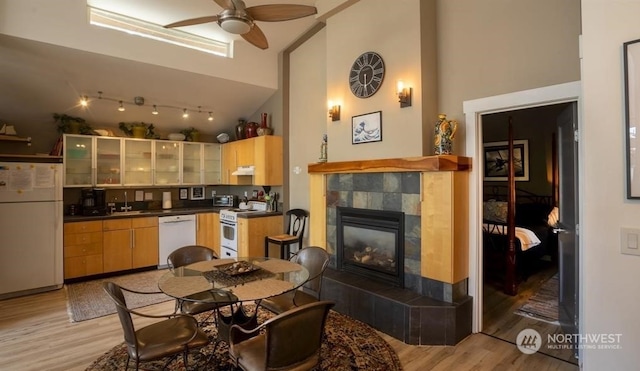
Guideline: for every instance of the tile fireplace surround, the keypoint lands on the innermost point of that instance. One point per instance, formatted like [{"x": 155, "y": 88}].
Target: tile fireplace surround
[{"x": 433, "y": 308}]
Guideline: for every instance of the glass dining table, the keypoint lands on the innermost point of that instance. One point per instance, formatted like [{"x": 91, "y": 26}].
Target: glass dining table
[{"x": 230, "y": 282}]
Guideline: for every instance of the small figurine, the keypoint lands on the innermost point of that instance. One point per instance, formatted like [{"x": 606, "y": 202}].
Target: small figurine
[{"x": 323, "y": 149}]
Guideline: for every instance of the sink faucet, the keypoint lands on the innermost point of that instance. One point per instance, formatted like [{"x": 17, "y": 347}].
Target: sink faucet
[{"x": 125, "y": 207}]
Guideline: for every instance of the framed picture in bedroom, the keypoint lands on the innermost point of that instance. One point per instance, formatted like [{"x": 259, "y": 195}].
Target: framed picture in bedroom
[
  {"x": 496, "y": 160},
  {"x": 631, "y": 52}
]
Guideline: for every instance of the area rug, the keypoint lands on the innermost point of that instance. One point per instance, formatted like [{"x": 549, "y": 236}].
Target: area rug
[
  {"x": 543, "y": 305},
  {"x": 87, "y": 300},
  {"x": 348, "y": 345}
]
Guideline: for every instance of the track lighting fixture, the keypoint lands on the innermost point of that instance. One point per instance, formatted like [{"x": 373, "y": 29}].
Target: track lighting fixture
[{"x": 140, "y": 101}]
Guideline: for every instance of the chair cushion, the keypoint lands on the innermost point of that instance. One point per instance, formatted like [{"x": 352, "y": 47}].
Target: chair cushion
[
  {"x": 168, "y": 337},
  {"x": 282, "y": 303},
  {"x": 282, "y": 237}
]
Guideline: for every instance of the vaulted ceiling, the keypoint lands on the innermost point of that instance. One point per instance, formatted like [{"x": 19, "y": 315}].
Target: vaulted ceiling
[{"x": 39, "y": 78}]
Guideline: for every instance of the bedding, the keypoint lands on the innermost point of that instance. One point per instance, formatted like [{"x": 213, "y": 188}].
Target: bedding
[{"x": 526, "y": 236}]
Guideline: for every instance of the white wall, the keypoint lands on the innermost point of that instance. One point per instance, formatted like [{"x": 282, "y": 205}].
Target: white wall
[
  {"x": 611, "y": 281},
  {"x": 308, "y": 115}
]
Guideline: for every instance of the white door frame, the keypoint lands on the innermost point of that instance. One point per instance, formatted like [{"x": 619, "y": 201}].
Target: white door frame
[{"x": 473, "y": 110}]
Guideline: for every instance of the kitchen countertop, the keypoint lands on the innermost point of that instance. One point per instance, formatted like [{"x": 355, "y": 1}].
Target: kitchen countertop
[{"x": 167, "y": 212}]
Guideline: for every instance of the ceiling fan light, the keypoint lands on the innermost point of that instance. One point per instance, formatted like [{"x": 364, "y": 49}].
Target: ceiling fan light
[{"x": 235, "y": 26}]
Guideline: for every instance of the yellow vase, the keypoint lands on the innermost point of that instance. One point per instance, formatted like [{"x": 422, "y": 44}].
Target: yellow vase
[{"x": 138, "y": 132}]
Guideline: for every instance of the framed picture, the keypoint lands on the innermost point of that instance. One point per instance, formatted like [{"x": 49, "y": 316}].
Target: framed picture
[
  {"x": 496, "y": 160},
  {"x": 366, "y": 128},
  {"x": 184, "y": 193},
  {"x": 632, "y": 110}
]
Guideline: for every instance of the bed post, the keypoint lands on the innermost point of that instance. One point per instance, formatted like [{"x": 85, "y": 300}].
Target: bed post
[{"x": 511, "y": 282}]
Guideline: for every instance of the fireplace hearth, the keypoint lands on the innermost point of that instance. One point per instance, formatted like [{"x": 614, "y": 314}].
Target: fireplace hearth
[{"x": 370, "y": 243}]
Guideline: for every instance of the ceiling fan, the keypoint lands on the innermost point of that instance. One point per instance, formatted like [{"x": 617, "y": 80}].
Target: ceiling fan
[{"x": 237, "y": 19}]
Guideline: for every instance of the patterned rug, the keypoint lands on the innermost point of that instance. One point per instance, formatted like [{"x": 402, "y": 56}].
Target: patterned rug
[
  {"x": 543, "y": 305},
  {"x": 348, "y": 345},
  {"x": 87, "y": 300}
]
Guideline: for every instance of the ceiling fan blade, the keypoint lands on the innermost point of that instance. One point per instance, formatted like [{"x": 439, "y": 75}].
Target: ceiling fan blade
[
  {"x": 280, "y": 12},
  {"x": 193, "y": 21},
  {"x": 225, "y": 4},
  {"x": 256, "y": 37}
]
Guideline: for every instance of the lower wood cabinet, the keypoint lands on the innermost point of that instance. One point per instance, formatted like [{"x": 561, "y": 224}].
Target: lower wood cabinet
[
  {"x": 82, "y": 249},
  {"x": 252, "y": 231},
  {"x": 208, "y": 231},
  {"x": 130, "y": 243}
]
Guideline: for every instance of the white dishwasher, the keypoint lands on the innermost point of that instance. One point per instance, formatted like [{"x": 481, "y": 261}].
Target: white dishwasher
[{"x": 175, "y": 231}]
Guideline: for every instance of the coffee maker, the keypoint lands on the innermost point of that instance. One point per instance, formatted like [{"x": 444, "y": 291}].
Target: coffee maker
[{"x": 93, "y": 202}]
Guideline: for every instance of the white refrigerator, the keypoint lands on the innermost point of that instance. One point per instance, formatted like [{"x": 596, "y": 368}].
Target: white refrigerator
[{"x": 31, "y": 225}]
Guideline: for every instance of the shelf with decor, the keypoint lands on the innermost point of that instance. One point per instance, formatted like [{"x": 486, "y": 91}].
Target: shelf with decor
[{"x": 13, "y": 138}]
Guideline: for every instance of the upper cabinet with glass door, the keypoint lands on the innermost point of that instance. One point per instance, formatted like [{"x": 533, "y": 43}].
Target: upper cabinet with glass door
[
  {"x": 78, "y": 160},
  {"x": 211, "y": 163},
  {"x": 137, "y": 162},
  {"x": 191, "y": 163},
  {"x": 108, "y": 161},
  {"x": 167, "y": 163}
]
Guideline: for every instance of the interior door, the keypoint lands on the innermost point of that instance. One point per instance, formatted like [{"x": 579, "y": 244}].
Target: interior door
[{"x": 568, "y": 219}]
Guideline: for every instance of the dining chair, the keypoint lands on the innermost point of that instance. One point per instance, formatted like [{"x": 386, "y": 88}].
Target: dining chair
[
  {"x": 188, "y": 255},
  {"x": 296, "y": 221},
  {"x": 176, "y": 334},
  {"x": 288, "y": 341},
  {"x": 315, "y": 259}
]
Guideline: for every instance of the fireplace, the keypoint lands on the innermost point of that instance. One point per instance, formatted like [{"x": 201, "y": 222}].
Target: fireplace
[{"x": 371, "y": 243}]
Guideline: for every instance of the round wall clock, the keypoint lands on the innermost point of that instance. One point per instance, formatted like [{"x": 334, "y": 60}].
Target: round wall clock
[{"x": 366, "y": 74}]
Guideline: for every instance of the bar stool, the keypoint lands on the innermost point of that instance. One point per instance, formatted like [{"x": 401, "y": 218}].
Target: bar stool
[{"x": 297, "y": 219}]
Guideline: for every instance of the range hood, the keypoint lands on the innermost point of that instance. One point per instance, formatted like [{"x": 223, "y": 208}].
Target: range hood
[{"x": 244, "y": 170}]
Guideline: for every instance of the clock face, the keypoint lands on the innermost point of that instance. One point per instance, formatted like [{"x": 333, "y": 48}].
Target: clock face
[{"x": 366, "y": 75}]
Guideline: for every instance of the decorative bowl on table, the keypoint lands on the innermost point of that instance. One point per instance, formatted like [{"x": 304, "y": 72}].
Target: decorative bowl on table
[{"x": 237, "y": 268}]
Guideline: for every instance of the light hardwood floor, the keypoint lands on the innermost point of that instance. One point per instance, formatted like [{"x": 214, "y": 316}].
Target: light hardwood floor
[{"x": 35, "y": 334}]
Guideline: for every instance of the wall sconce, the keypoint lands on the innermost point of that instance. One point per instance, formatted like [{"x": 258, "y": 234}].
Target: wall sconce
[
  {"x": 334, "y": 111},
  {"x": 404, "y": 95}
]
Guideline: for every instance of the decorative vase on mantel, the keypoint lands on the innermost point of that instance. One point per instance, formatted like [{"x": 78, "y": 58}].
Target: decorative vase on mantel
[
  {"x": 445, "y": 131},
  {"x": 251, "y": 130}
]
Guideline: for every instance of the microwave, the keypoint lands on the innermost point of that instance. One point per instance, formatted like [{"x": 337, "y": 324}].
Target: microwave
[{"x": 224, "y": 200}]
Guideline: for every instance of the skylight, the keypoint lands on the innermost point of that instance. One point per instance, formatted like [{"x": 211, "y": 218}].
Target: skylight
[{"x": 137, "y": 27}]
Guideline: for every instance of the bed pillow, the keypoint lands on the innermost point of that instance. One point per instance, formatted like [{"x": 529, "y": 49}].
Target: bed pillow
[
  {"x": 552, "y": 219},
  {"x": 495, "y": 211}
]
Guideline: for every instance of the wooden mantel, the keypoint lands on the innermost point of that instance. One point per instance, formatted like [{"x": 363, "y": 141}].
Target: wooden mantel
[{"x": 421, "y": 164}]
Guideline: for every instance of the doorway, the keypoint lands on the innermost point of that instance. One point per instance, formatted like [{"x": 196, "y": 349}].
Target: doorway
[
  {"x": 475, "y": 111},
  {"x": 536, "y": 302}
]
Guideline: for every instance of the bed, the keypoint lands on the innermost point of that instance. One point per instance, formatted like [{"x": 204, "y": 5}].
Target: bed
[{"x": 517, "y": 230}]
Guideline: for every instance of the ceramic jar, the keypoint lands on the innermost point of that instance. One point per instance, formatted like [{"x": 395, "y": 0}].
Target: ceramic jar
[
  {"x": 251, "y": 130},
  {"x": 240, "y": 132}
]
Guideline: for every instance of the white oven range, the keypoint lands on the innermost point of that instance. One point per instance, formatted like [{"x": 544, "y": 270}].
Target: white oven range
[{"x": 229, "y": 227}]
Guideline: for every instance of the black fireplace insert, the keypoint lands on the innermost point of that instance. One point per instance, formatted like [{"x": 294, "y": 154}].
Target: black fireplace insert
[{"x": 371, "y": 243}]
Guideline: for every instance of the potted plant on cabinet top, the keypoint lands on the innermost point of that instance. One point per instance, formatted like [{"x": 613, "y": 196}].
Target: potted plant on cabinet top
[
  {"x": 191, "y": 134},
  {"x": 138, "y": 129},
  {"x": 71, "y": 125}
]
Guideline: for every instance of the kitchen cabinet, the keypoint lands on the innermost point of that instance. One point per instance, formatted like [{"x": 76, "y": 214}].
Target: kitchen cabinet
[
  {"x": 82, "y": 249},
  {"x": 208, "y": 231},
  {"x": 130, "y": 243},
  {"x": 167, "y": 165},
  {"x": 263, "y": 152},
  {"x": 252, "y": 231},
  {"x": 108, "y": 161},
  {"x": 78, "y": 160},
  {"x": 200, "y": 163},
  {"x": 235, "y": 154},
  {"x": 137, "y": 167},
  {"x": 211, "y": 163}
]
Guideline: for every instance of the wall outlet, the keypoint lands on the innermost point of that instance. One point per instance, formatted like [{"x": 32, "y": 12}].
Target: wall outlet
[{"x": 148, "y": 196}]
